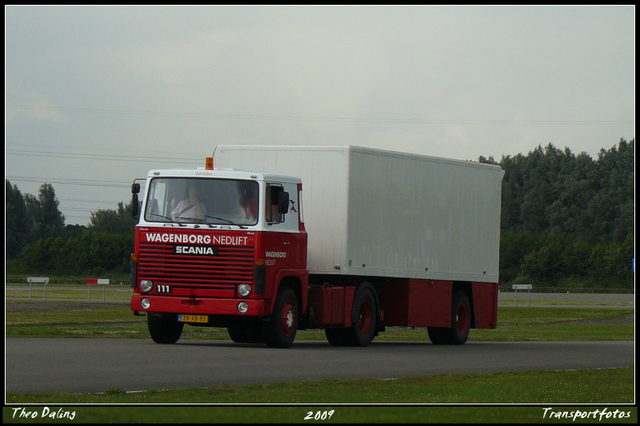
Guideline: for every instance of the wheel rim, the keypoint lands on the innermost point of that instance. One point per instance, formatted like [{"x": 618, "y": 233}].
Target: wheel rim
[
  {"x": 364, "y": 317},
  {"x": 462, "y": 318},
  {"x": 287, "y": 318}
]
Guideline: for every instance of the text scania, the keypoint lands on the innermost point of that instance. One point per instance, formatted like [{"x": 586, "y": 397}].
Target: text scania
[
  {"x": 220, "y": 240},
  {"x": 205, "y": 250}
]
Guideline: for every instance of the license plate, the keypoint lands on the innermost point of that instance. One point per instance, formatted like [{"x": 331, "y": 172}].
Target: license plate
[{"x": 193, "y": 318}]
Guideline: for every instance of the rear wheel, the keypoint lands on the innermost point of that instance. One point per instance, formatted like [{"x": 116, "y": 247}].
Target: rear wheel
[
  {"x": 280, "y": 330},
  {"x": 437, "y": 335},
  {"x": 461, "y": 319},
  {"x": 164, "y": 328},
  {"x": 364, "y": 316},
  {"x": 364, "y": 320},
  {"x": 458, "y": 333}
]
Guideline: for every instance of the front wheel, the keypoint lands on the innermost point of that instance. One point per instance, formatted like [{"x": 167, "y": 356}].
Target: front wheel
[
  {"x": 280, "y": 330},
  {"x": 164, "y": 328}
]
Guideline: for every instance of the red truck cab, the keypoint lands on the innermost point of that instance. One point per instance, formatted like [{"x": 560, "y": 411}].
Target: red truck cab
[{"x": 221, "y": 248}]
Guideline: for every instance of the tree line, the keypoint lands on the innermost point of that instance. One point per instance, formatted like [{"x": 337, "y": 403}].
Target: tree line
[
  {"x": 567, "y": 220},
  {"x": 38, "y": 242}
]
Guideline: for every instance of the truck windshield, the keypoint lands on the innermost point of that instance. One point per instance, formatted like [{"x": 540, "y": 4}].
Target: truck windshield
[{"x": 201, "y": 200}]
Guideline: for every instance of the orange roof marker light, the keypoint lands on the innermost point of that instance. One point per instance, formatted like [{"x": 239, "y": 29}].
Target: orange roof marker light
[{"x": 209, "y": 163}]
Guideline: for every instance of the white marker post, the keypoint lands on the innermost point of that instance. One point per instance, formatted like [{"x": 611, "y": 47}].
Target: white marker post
[
  {"x": 98, "y": 281},
  {"x": 44, "y": 280},
  {"x": 527, "y": 287}
]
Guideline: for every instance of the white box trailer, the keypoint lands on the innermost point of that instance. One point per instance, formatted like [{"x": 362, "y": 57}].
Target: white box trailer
[{"x": 371, "y": 212}]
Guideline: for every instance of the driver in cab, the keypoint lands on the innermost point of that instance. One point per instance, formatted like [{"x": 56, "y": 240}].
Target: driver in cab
[{"x": 190, "y": 208}]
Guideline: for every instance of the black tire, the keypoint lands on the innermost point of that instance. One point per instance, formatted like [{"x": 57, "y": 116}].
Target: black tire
[
  {"x": 364, "y": 316},
  {"x": 280, "y": 330},
  {"x": 458, "y": 333},
  {"x": 250, "y": 332},
  {"x": 164, "y": 328},
  {"x": 437, "y": 335},
  {"x": 460, "y": 319},
  {"x": 364, "y": 320}
]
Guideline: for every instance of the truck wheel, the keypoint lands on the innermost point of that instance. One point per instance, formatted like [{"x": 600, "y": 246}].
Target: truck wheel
[
  {"x": 364, "y": 319},
  {"x": 458, "y": 333},
  {"x": 437, "y": 335},
  {"x": 461, "y": 319},
  {"x": 164, "y": 328},
  {"x": 280, "y": 330},
  {"x": 364, "y": 316}
]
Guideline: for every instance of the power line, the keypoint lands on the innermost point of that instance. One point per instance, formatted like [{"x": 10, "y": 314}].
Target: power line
[
  {"x": 63, "y": 181},
  {"x": 310, "y": 118},
  {"x": 99, "y": 156}
]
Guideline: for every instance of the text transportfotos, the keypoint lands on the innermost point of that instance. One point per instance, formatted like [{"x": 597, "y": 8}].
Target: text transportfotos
[{"x": 599, "y": 414}]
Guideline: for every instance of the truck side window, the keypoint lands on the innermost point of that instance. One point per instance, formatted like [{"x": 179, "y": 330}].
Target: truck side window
[{"x": 273, "y": 193}]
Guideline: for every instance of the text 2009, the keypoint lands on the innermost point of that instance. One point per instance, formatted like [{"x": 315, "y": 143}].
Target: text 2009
[{"x": 319, "y": 415}]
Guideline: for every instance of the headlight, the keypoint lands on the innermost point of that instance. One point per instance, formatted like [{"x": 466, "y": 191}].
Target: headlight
[
  {"x": 146, "y": 285},
  {"x": 243, "y": 307},
  {"x": 144, "y": 303},
  {"x": 244, "y": 290}
]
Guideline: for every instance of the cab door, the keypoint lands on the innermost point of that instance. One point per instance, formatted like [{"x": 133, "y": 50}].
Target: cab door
[{"x": 285, "y": 247}]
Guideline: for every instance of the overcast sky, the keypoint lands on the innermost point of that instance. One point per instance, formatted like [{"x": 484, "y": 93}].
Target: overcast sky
[{"x": 96, "y": 96}]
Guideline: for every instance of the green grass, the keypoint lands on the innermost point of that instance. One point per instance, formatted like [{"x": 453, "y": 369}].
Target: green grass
[
  {"x": 403, "y": 400},
  {"x": 595, "y": 386},
  {"x": 514, "y": 324},
  {"x": 74, "y": 292}
]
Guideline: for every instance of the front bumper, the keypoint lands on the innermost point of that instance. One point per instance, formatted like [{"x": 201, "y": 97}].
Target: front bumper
[{"x": 202, "y": 306}]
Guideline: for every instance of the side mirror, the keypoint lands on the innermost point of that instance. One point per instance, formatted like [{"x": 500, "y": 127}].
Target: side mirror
[
  {"x": 283, "y": 202},
  {"x": 135, "y": 203}
]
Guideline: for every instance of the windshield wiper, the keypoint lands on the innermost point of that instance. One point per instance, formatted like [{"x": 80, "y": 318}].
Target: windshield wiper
[
  {"x": 184, "y": 221},
  {"x": 166, "y": 218},
  {"x": 230, "y": 222}
]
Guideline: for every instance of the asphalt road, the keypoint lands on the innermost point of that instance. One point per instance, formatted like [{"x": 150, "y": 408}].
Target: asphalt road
[{"x": 37, "y": 365}]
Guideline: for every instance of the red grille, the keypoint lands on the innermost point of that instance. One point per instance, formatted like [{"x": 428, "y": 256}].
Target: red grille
[{"x": 221, "y": 272}]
